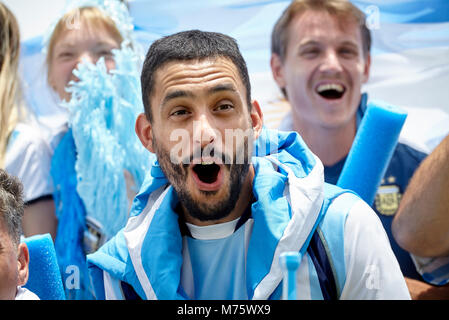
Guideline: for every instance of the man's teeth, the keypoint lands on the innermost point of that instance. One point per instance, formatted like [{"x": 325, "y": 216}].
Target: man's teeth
[
  {"x": 331, "y": 86},
  {"x": 206, "y": 163}
]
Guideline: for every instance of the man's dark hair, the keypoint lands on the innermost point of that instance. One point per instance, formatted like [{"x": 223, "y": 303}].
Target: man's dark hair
[
  {"x": 190, "y": 45},
  {"x": 11, "y": 205}
]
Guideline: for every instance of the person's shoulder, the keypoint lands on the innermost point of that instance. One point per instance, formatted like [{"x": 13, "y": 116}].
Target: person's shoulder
[
  {"x": 27, "y": 147},
  {"x": 27, "y": 136},
  {"x": 404, "y": 162},
  {"x": 339, "y": 200},
  {"x": 25, "y": 294},
  {"x": 338, "y": 204},
  {"x": 409, "y": 153},
  {"x": 28, "y": 157},
  {"x": 343, "y": 205}
]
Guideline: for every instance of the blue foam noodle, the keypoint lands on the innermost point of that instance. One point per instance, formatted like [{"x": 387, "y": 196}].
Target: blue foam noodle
[
  {"x": 372, "y": 149},
  {"x": 103, "y": 111},
  {"x": 44, "y": 276}
]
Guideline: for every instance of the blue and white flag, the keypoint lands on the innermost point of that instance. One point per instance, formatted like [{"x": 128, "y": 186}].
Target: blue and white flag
[{"x": 410, "y": 53}]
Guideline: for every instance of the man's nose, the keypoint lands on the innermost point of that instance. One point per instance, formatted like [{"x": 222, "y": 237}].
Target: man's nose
[
  {"x": 331, "y": 63},
  {"x": 204, "y": 131}
]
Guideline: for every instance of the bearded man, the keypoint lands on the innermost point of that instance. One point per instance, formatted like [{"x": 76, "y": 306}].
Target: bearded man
[{"x": 227, "y": 197}]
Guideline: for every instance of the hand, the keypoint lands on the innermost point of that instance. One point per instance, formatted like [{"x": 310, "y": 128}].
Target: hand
[{"x": 423, "y": 291}]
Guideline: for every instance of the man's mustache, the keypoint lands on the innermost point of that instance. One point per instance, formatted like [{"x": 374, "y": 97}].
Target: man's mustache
[{"x": 208, "y": 155}]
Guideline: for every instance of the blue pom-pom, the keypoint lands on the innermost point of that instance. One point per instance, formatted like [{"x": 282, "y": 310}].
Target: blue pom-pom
[{"x": 103, "y": 111}]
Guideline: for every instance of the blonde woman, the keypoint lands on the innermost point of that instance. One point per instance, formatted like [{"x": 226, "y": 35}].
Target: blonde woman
[
  {"x": 81, "y": 35},
  {"x": 23, "y": 150},
  {"x": 90, "y": 60}
]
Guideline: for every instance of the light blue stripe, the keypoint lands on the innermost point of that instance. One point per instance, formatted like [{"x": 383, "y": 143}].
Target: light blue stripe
[
  {"x": 315, "y": 288},
  {"x": 333, "y": 229}
]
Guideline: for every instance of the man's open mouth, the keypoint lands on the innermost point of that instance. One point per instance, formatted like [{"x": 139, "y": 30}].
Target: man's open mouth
[
  {"x": 207, "y": 172},
  {"x": 331, "y": 91}
]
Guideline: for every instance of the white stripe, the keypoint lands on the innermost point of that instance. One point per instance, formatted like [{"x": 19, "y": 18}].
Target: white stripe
[
  {"x": 248, "y": 231},
  {"x": 303, "y": 285},
  {"x": 187, "y": 279},
  {"x": 112, "y": 289},
  {"x": 135, "y": 231},
  {"x": 306, "y": 198}
]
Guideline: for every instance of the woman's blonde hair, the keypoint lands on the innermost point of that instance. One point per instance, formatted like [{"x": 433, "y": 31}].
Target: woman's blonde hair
[
  {"x": 10, "y": 93},
  {"x": 91, "y": 17}
]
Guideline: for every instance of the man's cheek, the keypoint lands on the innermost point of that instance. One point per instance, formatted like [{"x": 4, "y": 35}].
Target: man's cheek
[{"x": 180, "y": 146}]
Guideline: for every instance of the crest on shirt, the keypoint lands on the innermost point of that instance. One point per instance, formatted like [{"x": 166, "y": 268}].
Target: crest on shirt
[{"x": 388, "y": 198}]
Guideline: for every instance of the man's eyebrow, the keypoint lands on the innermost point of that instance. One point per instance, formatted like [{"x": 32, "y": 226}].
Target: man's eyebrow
[
  {"x": 349, "y": 43},
  {"x": 176, "y": 94},
  {"x": 314, "y": 42},
  {"x": 309, "y": 43},
  {"x": 182, "y": 93},
  {"x": 223, "y": 87}
]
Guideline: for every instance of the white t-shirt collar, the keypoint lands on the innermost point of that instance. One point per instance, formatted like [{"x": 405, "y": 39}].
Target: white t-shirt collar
[{"x": 214, "y": 231}]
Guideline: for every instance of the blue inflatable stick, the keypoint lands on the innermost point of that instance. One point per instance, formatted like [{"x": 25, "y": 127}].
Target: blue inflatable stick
[
  {"x": 372, "y": 149},
  {"x": 289, "y": 263},
  {"x": 44, "y": 275}
]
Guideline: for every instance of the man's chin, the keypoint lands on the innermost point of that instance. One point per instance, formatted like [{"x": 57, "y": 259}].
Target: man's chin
[
  {"x": 207, "y": 211},
  {"x": 205, "y": 203}
]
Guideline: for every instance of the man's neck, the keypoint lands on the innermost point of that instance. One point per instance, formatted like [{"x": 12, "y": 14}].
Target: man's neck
[
  {"x": 243, "y": 201},
  {"x": 329, "y": 144}
]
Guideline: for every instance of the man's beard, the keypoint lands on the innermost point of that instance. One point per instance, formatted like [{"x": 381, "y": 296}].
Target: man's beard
[{"x": 206, "y": 211}]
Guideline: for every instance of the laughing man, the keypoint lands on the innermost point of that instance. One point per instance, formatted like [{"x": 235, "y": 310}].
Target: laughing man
[
  {"x": 219, "y": 206},
  {"x": 320, "y": 60}
]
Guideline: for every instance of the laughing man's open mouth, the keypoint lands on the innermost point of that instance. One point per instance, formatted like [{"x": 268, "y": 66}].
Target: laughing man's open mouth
[{"x": 331, "y": 91}]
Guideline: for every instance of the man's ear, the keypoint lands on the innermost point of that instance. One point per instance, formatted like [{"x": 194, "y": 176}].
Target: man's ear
[
  {"x": 144, "y": 131},
  {"x": 23, "y": 259},
  {"x": 277, "y": 70},
  {"x": 256, "y": 118},
  {"x": 366, "y": 68}
]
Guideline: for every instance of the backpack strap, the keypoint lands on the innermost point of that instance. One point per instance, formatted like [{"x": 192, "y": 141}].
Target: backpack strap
[
  {"x": 321, "y": 260},
  {"x": 326, "y": 248}
]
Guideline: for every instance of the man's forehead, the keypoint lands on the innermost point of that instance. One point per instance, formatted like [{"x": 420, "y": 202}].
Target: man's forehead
[
  {"x": 197, "y": 71},
  {"x": 194, "y": 65},
  {"x": 313, "y": 24}
]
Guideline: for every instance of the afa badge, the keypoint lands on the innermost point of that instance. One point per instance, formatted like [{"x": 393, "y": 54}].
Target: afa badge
[{"x": 387, "y": 199}]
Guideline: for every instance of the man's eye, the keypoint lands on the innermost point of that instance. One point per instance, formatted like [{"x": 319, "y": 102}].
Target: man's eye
[
  {"x": 224, "y": 107},
  {"x": 179, "y": 113},
  {"x": 348, "y": 53},
  {"x": 310, "y": 53}
]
